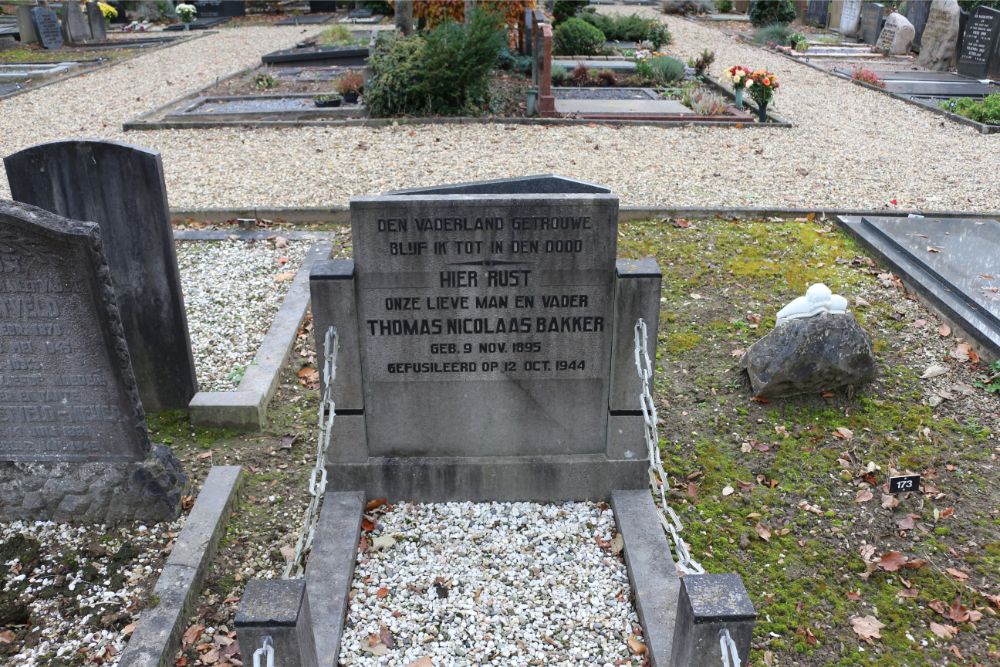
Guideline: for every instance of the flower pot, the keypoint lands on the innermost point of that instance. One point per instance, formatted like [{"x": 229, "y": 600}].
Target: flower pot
[
  {"x": 762, "y": 112},
  {"x": 739, "y": 96},
  {"x": 187, "y": 26},
  {"x": 351, "y": 98},
  {"x": 327, "y": 103}
]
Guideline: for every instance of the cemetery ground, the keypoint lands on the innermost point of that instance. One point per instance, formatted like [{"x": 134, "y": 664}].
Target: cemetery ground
[{"x": 789, "y": 494}]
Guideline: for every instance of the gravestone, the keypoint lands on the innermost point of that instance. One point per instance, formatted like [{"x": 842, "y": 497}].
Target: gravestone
[
  {"x": 95, "y": 17},
  {"x": 121, "y": 188},
  {"x": 75, "y": 27},
  {"x": 47, "y": 27},
  {"x": 836, "y": 13},
  {"x": 871, "y": 22},
  {"x": 916, "y": 13},
  {"x": 939, "y": 42},
  {"x": 493, "y": 321},
  {"x": 817, "y": 12},
  {"x": 209, "y": 9},
  {"x": 896, "y": 36},
  {"x": 322, "y": 6},
  {"x": 25, "y": 25},
  {"x": 850, "y": 18},
  {"x": 979, "y": 57},
  {"x": 73, "y": 439}
]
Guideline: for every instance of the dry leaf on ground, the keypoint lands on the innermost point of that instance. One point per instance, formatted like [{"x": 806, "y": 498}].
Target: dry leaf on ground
[{"x": 867, "y": 627}]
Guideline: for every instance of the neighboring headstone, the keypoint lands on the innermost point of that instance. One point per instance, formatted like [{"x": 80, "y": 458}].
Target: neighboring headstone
[
  {"x": 25, "y": 25},
  {"x": 815, "y": 346},
  {"x": 73, "y": 439},
  {"x": 121, "y": 188},
  {"x": 75, "y": 27},
  {"x": 47, "y": 27},
  {"x": 871, "y": 22},
  {"x": 836, "y": 13},
  {"x": 896, "y": 37},
  {"x": 492, "y": 320},
  {"x": 939, "y": 43},
  {"x": 817, "y": 12},
  {"x": 916, "y": 13},
  {"x": 209, "y": 9},
  {"x": 980, "y": 54},
  {"x": 95, "y": 17},
  {"x": 850, "y": 18},
  {"x": 322, "y": 6}
]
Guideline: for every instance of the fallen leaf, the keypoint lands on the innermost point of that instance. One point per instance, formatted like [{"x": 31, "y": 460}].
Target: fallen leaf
[
  {"x": 280, "y": 242},
  {"x": 763, "y": 531},
  {"x": 382, "y": 593},
  {"x": 843, "y": 433},
  {"x": 205, "y": 455},
  {"x": 737, "y": 353},
  {"x": 961, "y": 352},
  {"x": 191, "y": 634},
  {"x": 863, "y": 496},
  {"x": 284, "y": 276},
  {"x": 958, "y": 574},
  {"x": 374, "y": 504},
  {"x": 891, "y": 561},
  {"x": 943, "y": 631},
  {"x": 915, "y": 564},
  {"x": 957, "y": 611},
  {"x": 947, "y": 512},
  {"x": 367, "y": 524},
  {"x": 906, "y": 523},
  {"x": 889, "y": 501},
  {"x": 933, "y": 371},
  {"x": 385, "y": 635},
  {"x": 636, "y": 646},
  {"x": 944, "y": 330},
  {"x": 383, "y": 542},
  {"x": 309, "y": 377},
  {"x": 910, "y": 593},
  {"x": 7, "y": 636},
  {"x": 287, "y": 552},
  {"x": 617, "y": 544},
  {"x": 854, "y": 596},
  {"x": 287, "y": 441},
  {"x": 867, "y": 627},
  {"x": 728, "y": 490},
  {"x": 422, "y": 662}
]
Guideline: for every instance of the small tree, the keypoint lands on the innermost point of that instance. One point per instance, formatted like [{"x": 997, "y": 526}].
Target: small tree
[{"x": 769, "y": 12}]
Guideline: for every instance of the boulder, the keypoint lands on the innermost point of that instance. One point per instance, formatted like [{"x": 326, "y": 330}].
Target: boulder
[
  {"x": 896, "y": 37},
  {"x": 810, "y": 355},
  {"x": 939, "y": 43}
]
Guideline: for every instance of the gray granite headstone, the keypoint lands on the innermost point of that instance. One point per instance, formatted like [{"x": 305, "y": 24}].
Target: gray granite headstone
[
  {"x": 95, "y": 17},
  {"x": 75, "y": 27},
  {"x": 850, "y": 18},
  {"x": 817, "y": 12},
  {"x": 896, "y": 36},
  {"x": 47, "y": 26},
  {"x": 917, "y": 12},
  {"x": 939, "y": 42},
  {"x": 979, "y": 56},
  {"x": 73, "y": 439},
  {"x": 25, "y": 26},
  {"x": 871, "y": 22},
  {"x": 121, "y": 187}
]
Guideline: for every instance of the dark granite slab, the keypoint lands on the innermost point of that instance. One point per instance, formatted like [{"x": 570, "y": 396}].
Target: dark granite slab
[
  {"x": 201, "y": 24},
  {"x": 934, "y": 89},
  {"x": 954, "y": 263},
  {"x": 944, "y": 77},
  {"x": 305, "y": 19},
  {"x": 316, "y": 55},
  {"x": 979, "y": 55}
]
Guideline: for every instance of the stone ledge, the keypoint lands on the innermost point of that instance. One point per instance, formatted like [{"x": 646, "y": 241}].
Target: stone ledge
[{"x": 157, "y": 635}]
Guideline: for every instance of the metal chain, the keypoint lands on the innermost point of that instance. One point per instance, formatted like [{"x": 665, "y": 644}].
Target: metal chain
[
  {"x": 730, "y": 654},
  {"x": 317, "y": 480},
  {"x": 266, "y": 651},
  {"x": 657, "y": 477}
]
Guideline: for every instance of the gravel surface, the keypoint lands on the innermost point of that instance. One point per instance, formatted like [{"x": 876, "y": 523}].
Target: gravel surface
[
  {"x": 850, "y": 147},
  {"x": 491, "y": 583},
  {"x": 232, "y": 289},
  {"x": 71, "y": 594}
]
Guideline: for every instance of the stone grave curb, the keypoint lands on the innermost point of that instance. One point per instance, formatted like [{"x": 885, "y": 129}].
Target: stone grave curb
[
  {"x": 982, "y": 127},
  {"x": 157, "y": 635},
  {"x": 651, "y": 571},
  {"x": 90, "y": 70},
  {"x": 331, "y": 569},
  {"x": 341, "y": 215},
  {"x": 921, "y": 284},
  {"x": 246, "y": 408}
]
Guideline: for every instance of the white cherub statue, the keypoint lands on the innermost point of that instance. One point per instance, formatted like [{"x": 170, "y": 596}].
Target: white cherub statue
[{"x": 818, "y": 299}]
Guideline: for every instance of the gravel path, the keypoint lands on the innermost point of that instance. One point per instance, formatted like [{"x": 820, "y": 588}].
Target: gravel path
[
  {"x": 491, "y": 584},
  {"x": 850, "y": 147},
  {"x": 232, "y": 289}
]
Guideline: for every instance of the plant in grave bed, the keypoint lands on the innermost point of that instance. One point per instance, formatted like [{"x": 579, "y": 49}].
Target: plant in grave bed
[
  {"x": 707, "y": 103},
  {"x": 986, "y": 110},
  {"x": 559, "y": 74},
  {"x": 991, "y": 382},
  {"x": 702, "y": 62},
  {"x": 576, "y": 37},
  {"x": 328, "y": 100},
  {"x": 772, "y": 34},
  {"x": 564, "y": 10},
  {"x": 264, "y": 81},
  {"x": 606, "y": 77},
  {"x": 767, "y": 12},
  {"x": 350, "y": 86},
  {"x": 186, "y": 13},
  {"x": 723, "y": 6},
  {"x": 660, "y": 70},
  {"x": 337, "y": 35},
  {"x": 687, "y": 6},
  {"x": 514, "y": 62},
  {"x": 580, "y": 75},
  {"x": 865, "y": 75}
]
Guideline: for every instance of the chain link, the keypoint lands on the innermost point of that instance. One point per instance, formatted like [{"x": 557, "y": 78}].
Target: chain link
[
  {"x": 657, "y": 477},
  {"x": 317, "y": 479},
  {"x": 266, "y": 651},
  {"x": 730, "y": 654}
]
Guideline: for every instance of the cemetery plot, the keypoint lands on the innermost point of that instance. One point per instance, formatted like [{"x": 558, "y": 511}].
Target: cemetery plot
[{"x": 232, "y": 290}]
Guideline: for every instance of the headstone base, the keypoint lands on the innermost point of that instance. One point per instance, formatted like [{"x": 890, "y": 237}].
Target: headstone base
[{"x": 149, "y": 490}]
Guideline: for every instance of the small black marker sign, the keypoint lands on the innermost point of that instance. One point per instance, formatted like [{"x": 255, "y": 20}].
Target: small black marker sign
[{"x": 904, "y": 483}]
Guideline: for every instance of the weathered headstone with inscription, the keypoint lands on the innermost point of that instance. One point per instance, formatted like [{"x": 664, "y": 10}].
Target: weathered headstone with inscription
[
  {"x": 47, "y": 27},
  {"x": 939, "y": 42},
  {"x": 871, "y": 22},
  {"x": 73, "y": 439},
  {"x": 850, "y": 18},
  {"x": 916, "y": 13},
  {"x": 121, "y": 187},
  {"x": 896, "y": 36},
  {"x": 75, "y": 27},
  {"x": 487, "y": 345},
  {"x": 980, "y": 53},
  {"x": 817, "y": 12},
  {"x": 95, "y": 17}
]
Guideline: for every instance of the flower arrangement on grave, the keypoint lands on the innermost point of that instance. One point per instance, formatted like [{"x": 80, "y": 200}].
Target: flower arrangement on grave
[
  {"x": 350, "y": 86},
  {"x": 762, "y": 86},
  {"x": 108, "y": 11},
  {"x": 865, "y": 75},
  {"x": 738, "y": 77},
  {"x": 186, "y": 13}
]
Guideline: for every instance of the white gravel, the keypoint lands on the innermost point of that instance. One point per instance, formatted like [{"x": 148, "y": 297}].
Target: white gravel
[
  {"x": 232, "y": 290},
  {"x": 850, "y": 147},
  {"x": 82, "y": 595},
  {"x": 490, "y": 583}
]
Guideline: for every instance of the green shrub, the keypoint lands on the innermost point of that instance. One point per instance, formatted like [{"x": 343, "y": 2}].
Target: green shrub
[
  {"x": 723, "y": 6},
  {"x": 576, "y": 37},
  {"x": 660, "y": 70},
  {"x": 688, "y": 6},
  {"x": 336, "y": 35},
  {"x": 563, "y": 10},
  {"x": 513, "y": 61},
  {"x": 766, "y": 12},
  {"x": 559, "y": 74},
  {"x": 986, "y": 110},
  {"x": 777, "y": 34},
  {"x": 630, "y": 28},
  {"x": 443, "y": 72}
]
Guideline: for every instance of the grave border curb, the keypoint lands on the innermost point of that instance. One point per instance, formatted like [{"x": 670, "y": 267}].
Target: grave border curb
[
  {"x": 246, "y": 407},
  {"x": 72, "y": 75},
  {"x": 158, "y": 630},
  {"x": 341, "y": 215}
]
